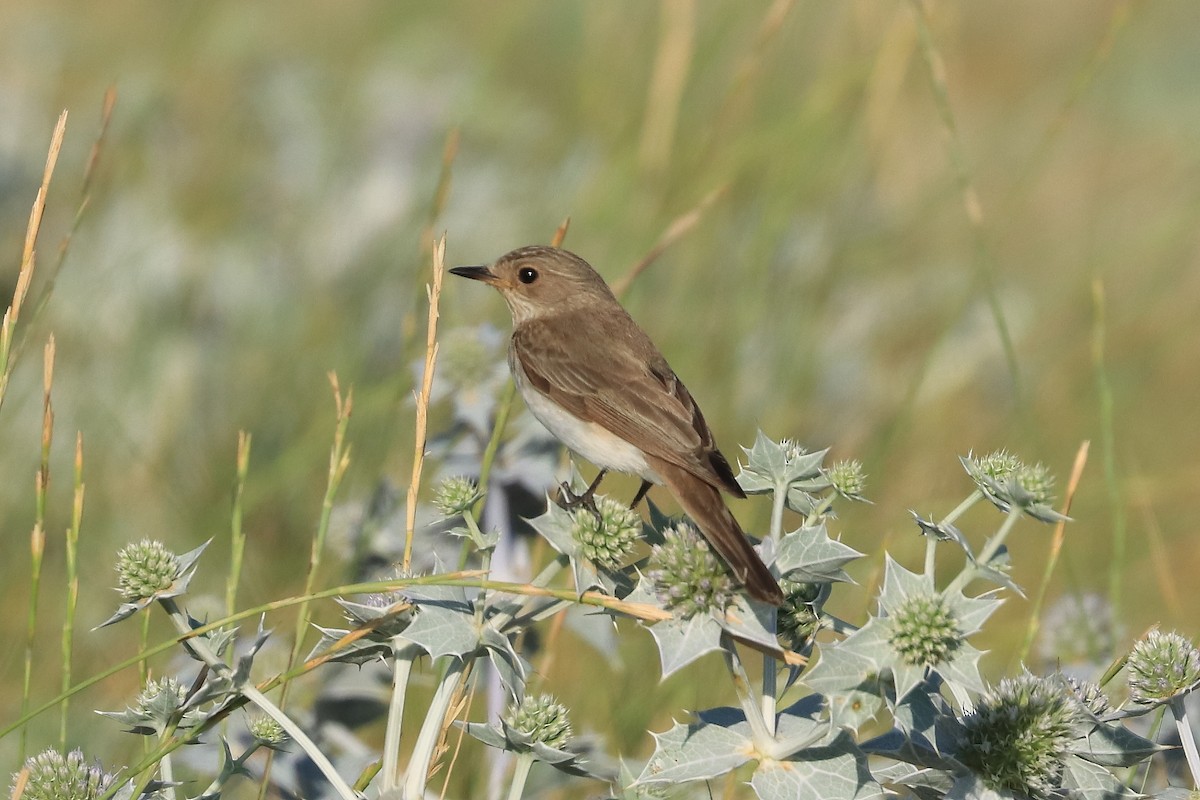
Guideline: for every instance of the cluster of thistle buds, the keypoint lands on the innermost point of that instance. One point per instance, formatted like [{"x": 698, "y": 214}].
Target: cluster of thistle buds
[
  {"x": 687, "y": 575},
  {"x": 542, "y": 718}
]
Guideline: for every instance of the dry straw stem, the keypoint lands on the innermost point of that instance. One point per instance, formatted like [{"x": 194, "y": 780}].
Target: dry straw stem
[
  {"x": 37, "y": 538},
  {"x": 237, "y": 536},
  {"x": 72, "y": 552},
  {"x": 679, "y": 227},
  {"x": 434, "y": 292},
  {"x": 675, "y": 46},
  {"x": 1060, "y": 529},
  {"x": 28, "y": 256},
  {"x": 984, "y": 259},
  {"x": 442, "y": 193}
]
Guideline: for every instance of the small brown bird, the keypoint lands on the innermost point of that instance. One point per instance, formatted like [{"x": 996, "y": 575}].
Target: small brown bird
[{"x": 597, "y": 382}]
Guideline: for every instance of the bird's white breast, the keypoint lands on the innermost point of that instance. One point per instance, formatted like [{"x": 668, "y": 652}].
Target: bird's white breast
[{"x": 588, "y": 439}]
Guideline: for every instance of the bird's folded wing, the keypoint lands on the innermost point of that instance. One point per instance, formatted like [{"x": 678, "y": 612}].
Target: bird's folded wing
[{"x": 629, "y": 391}]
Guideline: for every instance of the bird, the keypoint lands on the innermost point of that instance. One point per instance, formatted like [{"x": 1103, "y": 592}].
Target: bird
[{"x": 589, "y": 373}]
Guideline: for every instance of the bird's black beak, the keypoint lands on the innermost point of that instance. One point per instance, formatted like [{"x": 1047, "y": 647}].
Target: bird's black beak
[{"x": 474, "y": 273}]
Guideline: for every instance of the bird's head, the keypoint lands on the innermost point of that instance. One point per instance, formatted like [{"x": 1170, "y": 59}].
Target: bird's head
[{"x": 538, "y": 281}]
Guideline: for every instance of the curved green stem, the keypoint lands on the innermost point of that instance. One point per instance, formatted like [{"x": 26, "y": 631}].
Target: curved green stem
[
  {"x": 431, "y": 729},
  {"x": 520, "y": 775},
  {"x": 404, "y": 654},
  {"x": 970, "y": 571},
  {"x": 1186, "y": 738},
  {"x": 199, "y": 647}
]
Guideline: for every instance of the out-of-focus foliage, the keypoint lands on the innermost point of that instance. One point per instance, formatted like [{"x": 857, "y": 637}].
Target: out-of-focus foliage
[{"x": 257, "y": 216}]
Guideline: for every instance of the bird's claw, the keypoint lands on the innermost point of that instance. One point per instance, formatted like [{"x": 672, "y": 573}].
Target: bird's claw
[{"x": 570, "y": 501}]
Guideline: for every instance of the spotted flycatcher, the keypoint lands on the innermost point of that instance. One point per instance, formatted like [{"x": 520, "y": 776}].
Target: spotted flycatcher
[{"x": 597, "y": 382}]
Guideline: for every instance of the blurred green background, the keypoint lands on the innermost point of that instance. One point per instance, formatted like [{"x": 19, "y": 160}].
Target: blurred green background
[{"x": 256, "y": 221}]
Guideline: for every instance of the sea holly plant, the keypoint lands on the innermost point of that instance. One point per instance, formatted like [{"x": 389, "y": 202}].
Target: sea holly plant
[
  {"x": 909, "y": 669},
  {"x": 890, "y": 705}
]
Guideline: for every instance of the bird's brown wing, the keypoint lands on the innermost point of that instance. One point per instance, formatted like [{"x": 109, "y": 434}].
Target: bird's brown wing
[{"x": 630, "y": 390}]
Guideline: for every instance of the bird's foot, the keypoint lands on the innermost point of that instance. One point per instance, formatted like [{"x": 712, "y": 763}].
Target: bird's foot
[{"x": 570, "y": 501}]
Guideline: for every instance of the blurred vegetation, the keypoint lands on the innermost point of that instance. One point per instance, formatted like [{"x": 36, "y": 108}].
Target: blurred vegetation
[{"x": 258, "y": 211}]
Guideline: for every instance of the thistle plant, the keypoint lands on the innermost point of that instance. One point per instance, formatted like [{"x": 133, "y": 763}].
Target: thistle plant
[
  {"x": 893, "y": 704},
  {"x": 52, "y": 776}
]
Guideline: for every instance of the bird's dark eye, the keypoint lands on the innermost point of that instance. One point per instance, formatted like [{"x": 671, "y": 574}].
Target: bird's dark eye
[{"x": 527, "y": 275}]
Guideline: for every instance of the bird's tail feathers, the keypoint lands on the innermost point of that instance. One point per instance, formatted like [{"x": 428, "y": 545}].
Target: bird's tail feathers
[{"x": 703, "y": 503}]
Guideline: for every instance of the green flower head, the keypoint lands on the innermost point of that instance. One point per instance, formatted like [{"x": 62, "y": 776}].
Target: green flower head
[
  {"x": 607, "y": 536},
  {"x": 1017, "y": 737},
  {"x": 1010, "y": 483},
  {"x": 53, "y": 776},
  {"x": 687, "y": 575},
  {"x": 543, "y": 719},
  {"x": 1162, "y": 666},
  {"x": 925, "y": 631},
  {"x": 848, "y": 479},
  {"x": 455, "y": 496},
  {"x": 267, "y": 732},
  {"x": 145, "y": 569}
]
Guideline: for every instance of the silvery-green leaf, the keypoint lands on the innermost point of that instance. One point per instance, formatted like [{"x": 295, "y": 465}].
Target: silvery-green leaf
[
  {"x": 510, "y": 667},
  {"x": 1114, "y": 746},
  {"x": 435, "y": 593},
  {"x": 597, "y": 630},
  {"x": 187, "y": 569},
  {"x": 856, "y": 661},
  {"x": 584, "y": 574},
  {"x": 809, "y": 555},
  {"x": 124, "y": 611},
  {"x": 896, "y": 746},
  {"x": 1090, "y": 781},
  {"x": 359, "y": 651},
  {"x": 219, "y": 639},
  {"x": 488, "y": 734},
  {"x": 770, "y": 466},
  {"x": 837, "y": 771},
  {"x": 751, "y": 621},
  {"x": 695, "y": 752},
  {"x": 801, "y": 501},
  {"x": 555, "y": 525},
  {"x": 926, "y": 784},
  {"x": 943, "y": 532},
  {"x": 963, "y": 669},
  {"x": 854, "y": 709},
  {"x": 970, "y": 787},
  {"x": 997, "y": 571},
  {"x": 800, "y": 725},
  {"x": 682, "y": 641},
  {"x": 245, "y": 662},
  {"x": 917, "y": 715},
  {"x": 444, "y": 629}
]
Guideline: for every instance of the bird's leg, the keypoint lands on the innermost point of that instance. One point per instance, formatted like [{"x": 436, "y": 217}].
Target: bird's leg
[
  {"x": 570, "y": 501},
  {"x": 637, "y": 498}
]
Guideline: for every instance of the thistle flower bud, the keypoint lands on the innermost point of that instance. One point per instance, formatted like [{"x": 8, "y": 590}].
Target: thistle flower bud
[
  {"x": 144, "y": 569},
  {"x": 1017, "y": 736},
  {"x": 798, "y": 621},
  {"x": 267, "y": 732},
  {"x": 542, "y": 718},
  {"x": 1009, "y": 483},
  {"x": 848, "y": 479},
  {"x": 924, "y": 631},
  {"x": 686, "y": 574},
  {"x": 996, "y": 467},
  {"x": 607, "y": 536},
  {"x": 53, "y": 776},
  {"x": 1089, "y": 694},
  {"x": 455, "y": 495},
  {"x": 1162, "y": 666}
]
